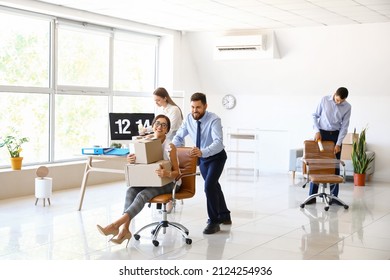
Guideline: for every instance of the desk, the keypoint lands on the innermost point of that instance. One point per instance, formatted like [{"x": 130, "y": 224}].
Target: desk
[{"x": 90, "y": 168}]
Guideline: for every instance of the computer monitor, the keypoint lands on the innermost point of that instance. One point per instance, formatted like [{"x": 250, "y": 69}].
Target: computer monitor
[{"x": 123, "y": 126}]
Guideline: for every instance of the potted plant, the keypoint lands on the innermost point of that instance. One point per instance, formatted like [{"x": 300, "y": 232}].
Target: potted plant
[
  {"x": 14, "y": 146},
  {"x": 360, "y": 161}
]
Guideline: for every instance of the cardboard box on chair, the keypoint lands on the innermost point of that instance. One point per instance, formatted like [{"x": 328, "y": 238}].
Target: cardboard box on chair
[
  {"x": 144, "y": 175},
  {"x": 147, "y": 150}
]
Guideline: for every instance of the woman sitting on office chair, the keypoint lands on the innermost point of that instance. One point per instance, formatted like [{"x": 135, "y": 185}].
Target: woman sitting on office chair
[{"x": 137, "y": 197}]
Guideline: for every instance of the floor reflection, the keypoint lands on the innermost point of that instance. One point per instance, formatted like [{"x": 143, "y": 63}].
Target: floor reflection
[
  {"x": 322, "y": 232},
  {"x": 267, "y": 224},
  {"x": 359, "y": 212}
]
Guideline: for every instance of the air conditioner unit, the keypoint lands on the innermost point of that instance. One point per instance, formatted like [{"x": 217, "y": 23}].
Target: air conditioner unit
[{"x": 244, "y": 43}]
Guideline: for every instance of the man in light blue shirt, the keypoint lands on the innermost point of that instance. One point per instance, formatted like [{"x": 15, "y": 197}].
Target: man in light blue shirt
[
  {"x": 331, "y": 121},
  {"x": 212, "y": 157}
]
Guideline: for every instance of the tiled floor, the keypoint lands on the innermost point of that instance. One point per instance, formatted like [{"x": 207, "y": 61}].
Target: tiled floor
[{"x": 268, "y": 224}]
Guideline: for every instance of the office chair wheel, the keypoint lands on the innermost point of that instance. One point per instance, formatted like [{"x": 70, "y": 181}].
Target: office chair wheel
[
  {"x": 302, "y": 205},
  {"x": 346, "y": 206},
  {"x": 155, "y": 243},
  {"x": 188, "y": 241},
  {"x": 326, "y": 208},
  {"x": 137, "y": 236}
]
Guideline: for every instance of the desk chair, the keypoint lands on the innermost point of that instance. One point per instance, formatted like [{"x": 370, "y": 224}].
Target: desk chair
[
  {"x": 187, "y": 165},
  {"x": 320, "y": 169}
]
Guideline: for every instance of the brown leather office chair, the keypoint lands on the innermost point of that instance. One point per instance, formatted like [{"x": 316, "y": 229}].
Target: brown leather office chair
[
  {"x": 187, "y": 165},
  {"x": 320, "y": 169}
]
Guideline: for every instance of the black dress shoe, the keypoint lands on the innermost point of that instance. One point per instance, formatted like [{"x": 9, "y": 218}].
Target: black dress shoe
[
  {"x": 311, "y": 201},
  {"x": 211, "y": 228}
]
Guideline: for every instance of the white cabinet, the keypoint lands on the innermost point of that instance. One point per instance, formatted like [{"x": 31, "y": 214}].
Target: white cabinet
[{"x": 242, "y": 147}]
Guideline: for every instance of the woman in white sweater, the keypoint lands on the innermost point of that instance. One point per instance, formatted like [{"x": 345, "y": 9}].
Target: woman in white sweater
[{"x": 167, "y": 107}]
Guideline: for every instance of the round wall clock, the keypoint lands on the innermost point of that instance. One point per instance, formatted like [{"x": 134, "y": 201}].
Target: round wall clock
[{"x": 229, "y": 101}]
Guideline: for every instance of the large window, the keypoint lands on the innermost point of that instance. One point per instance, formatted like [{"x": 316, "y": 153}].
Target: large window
[
  {"x": 28, "y": 115},
  {"x": 134, "y": 63},
  {"x": 24, "y": 50},
  {"x": 81, "y": 121},
  {"x": 60, "y": 79},
  {"x": 83, "y": 57}
]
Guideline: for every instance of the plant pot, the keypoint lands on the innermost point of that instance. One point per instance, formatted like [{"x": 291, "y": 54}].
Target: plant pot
[
  {"x": 359, "y": 179},
  {"x": 16, "y": 163}
]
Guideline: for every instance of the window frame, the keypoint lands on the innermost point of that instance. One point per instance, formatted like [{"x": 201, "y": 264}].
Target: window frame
[{"x": 53, "y": 88}]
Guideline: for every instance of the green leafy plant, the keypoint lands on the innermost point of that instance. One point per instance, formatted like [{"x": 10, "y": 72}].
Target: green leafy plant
[
  {"x": 13, "y": 144},
  {"x": 116, "y": 145},
  {"x": 360, "y": 160}
]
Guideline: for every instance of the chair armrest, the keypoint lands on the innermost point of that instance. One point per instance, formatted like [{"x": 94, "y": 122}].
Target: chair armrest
[
  {"x": 294, "y": 154},
  {"x": 326, "y": 161},
  {"x": 322, "y": 164},
  {"x": 176, "y": 183}
]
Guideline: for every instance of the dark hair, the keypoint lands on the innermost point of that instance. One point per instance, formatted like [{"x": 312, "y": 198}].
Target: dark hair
[
  {"x": 163, "y": 93},
  {"x": 164, "y": 117},
  {"x": 199, "y": 96},
  {"x": 342, "y": 92}
]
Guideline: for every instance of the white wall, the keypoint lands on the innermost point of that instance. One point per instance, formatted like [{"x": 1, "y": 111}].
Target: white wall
[{"x": 281, "y": 94}]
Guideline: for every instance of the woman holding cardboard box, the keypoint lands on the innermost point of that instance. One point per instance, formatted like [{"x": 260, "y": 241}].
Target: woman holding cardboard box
[{"x": 137, "y": 197}]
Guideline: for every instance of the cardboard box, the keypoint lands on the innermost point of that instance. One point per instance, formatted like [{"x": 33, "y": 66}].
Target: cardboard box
[
  {"x": 147, "y": 150},
  {"x": 350, "y": 138},
  {"x": 346, "y": 152},
  {"x": 144, "y": 175}
]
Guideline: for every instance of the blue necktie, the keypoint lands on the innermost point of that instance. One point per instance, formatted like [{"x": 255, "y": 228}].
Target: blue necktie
[{"x": 198, "y": 137}]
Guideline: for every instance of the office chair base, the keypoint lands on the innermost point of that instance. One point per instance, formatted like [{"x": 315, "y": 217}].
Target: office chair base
[
  {"x": 328, "y": 199},
  {"x": 164, "y": 224}
]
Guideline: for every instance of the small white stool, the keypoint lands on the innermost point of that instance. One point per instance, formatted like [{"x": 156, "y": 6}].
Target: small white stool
[
  {"x": 43, "y": 189},
  {"x": 43, "y": 185}
]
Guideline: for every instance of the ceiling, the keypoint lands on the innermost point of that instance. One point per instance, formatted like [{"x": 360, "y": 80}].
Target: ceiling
[{"x": 214, "y": 15}]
